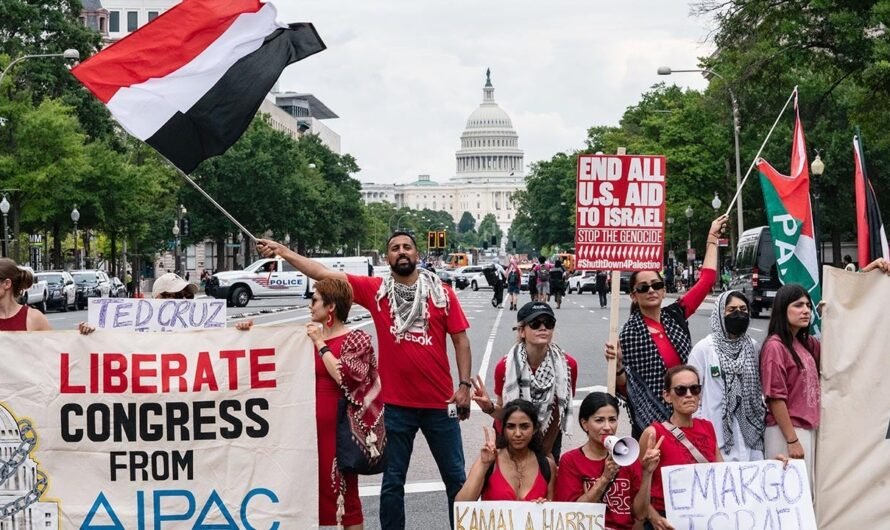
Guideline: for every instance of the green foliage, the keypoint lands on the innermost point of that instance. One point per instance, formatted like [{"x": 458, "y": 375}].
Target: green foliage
[{"x": 467, "y": 223}]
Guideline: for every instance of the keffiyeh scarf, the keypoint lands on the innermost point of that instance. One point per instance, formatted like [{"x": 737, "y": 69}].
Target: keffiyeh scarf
[
  {"x": 408, "y": 305},
  {"x": 550, "y": 383},
  {"x": 740, "y": 366}
]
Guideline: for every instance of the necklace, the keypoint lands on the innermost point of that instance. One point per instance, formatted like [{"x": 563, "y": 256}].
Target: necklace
[{"x": 520, "y": 471}]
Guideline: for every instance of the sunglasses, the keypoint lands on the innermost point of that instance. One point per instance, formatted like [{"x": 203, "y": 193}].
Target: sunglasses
[
  {"x": 680, "y": 390},
  {"x": 548, "y": 323},
  {"x": 644, "y": 287}
]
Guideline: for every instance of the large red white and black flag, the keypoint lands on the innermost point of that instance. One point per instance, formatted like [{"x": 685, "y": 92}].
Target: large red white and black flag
[
  {"x": 190, "y": 82},
  {"x": 871, "y": 235}
]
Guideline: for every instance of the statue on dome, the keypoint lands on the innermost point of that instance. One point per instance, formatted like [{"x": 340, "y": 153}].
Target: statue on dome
[{"x": 488, "y": 77}]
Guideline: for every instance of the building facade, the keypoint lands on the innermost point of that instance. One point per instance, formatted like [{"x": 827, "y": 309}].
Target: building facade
[{"x": 489, "y": 169}]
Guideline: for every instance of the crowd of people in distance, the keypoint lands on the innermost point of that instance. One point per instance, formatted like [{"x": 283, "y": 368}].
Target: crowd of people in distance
[{"x": 722, "y": 398}]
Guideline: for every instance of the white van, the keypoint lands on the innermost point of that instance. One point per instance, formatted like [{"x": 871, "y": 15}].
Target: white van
[{"x": 273, "y": 277}]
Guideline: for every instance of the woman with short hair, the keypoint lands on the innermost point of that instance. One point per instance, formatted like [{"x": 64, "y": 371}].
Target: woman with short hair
[
  {"x": 345, "y": 368},
  {"x": 14, "y": 316},
  {"x": 512, "y": 466},
  {"x": 728, "y": 362}
]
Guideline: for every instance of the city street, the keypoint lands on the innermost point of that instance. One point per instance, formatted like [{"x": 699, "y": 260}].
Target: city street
[{"x": 582, "y": 328}]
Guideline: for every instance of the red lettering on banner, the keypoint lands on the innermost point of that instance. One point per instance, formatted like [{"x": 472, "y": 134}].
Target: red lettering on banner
[{"x": 149, "y": 373}]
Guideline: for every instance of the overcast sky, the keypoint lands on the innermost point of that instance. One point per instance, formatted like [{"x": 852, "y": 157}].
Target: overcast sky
[{"x": 404, "y": 75}]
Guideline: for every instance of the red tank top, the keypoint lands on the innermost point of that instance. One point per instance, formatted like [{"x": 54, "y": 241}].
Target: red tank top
[
  {"x": 17, "y": 322},
  {"x": 497, "y": 488},
  {"x": 674, "y": 453}
]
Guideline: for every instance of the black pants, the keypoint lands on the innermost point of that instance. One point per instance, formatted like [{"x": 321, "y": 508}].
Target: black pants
[{"x": 602, "y": 294}]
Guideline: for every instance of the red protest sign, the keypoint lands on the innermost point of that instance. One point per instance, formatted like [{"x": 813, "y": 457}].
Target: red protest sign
[{"x": 620, "y": 212}]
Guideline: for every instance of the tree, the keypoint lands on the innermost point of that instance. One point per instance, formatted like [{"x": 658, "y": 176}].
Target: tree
[
  {"x": 467, "y": 223},
  {"x": 488, "y": 229}
]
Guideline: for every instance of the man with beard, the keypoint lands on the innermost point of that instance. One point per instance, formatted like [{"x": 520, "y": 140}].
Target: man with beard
[{"x": 412, "y": 311}]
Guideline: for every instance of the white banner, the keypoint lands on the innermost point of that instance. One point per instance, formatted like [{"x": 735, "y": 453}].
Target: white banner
[
  {"x": 853, "y": 445},
  {"x": 529, "y": 515},
  {"x": 141, "y": 431},
  {"x": 157, "y": 314},
  {"x": 739, "y": 495}
]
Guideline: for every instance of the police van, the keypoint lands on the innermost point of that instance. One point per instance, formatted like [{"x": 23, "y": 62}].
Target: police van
[{"x": 272, "y": 277}]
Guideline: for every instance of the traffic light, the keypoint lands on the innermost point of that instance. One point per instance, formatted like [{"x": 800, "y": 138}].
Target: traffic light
[
  {"x": 431, "y": 239},
  {"x": 441, "y": 239},
  {"x": 185, "y": 227}
]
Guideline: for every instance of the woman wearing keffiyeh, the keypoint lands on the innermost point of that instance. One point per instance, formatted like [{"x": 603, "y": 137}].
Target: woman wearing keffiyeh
[
  {"x": 728, "y": 362},
  {"x": 537, "y": 370}
]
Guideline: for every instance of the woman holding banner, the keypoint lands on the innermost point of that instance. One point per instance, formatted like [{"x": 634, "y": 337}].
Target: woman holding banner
[
  {"x": 729, "y": 364},
  {"x": 789, "y": 370},
  {"x": 687, "y": 440},
  {"x": 14, "y": 280},
  {"x": 512, "y": 465},
  {"x": 345, "y": 368},
  {"x": 589, "y": 474},
  {"x": 657, "y": 338}
]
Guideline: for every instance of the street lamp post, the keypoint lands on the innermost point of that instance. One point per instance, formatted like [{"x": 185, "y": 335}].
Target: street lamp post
[
  {"x": 182, "y": 266},
  {"x": 716, "y": 203},
  {"x": 4, "y": 209},
  {"x": 689, "y": 213},
  {"x": 736, "y": 127},
  {"x": 67, "y": 54},
  {"x": 817, "y": 168},
  {"x": 175, "y": 246},
  {"x": 75, "y": 217}
]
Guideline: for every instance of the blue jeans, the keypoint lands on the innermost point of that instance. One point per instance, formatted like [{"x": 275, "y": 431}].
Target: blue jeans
[{"x": 443, "y": 436}]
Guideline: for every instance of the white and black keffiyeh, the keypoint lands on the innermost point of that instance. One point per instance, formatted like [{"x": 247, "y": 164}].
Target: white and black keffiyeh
[
  {"x": 641, "y": 357},
  {"x": 740, "y": 366},
  {"x": 407, "y": 303},
  {"x": 550, "y": 383}
]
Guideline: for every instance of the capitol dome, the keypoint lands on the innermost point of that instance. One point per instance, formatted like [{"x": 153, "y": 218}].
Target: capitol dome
[
  {"x": 9, "y": 430},
  {"x": 489, "y": 144}
]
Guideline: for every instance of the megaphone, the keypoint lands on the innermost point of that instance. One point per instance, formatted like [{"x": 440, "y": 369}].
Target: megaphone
[{"x": 624, "y": 450}]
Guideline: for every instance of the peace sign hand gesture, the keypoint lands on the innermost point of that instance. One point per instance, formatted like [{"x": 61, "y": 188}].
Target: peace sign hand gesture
[
  {"x": 489, "y": 453},
  {"x": 653, "y": 453}
]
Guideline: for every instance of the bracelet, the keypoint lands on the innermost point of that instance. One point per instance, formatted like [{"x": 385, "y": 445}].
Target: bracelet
[
  {"x": 794, "y": 441},
  {"x": 467, "y": 384},
  {"x": 491, "y": 410},
  {"x": 715, "y": 243},
  {"x": 323, "y": 350}
]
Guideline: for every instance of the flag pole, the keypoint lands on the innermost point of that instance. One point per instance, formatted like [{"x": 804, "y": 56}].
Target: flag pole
[
  {"x": 757, "y": 156},
  {"x": 208, "y": 197}
]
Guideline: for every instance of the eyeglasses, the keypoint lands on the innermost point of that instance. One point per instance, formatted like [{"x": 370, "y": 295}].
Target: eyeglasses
[
  {"x": 548, "y": 323},
  {"x": 680, "y": 390},
  {"x": 644, "y": 287}
]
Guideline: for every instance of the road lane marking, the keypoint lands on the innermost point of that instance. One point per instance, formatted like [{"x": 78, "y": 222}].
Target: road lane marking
[
  {"x": 486, "y": 357},
  {"x": 373, "y": 490}
]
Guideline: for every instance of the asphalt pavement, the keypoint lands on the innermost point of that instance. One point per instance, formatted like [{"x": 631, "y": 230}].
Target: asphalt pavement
[{"x": 581, "y": 330}]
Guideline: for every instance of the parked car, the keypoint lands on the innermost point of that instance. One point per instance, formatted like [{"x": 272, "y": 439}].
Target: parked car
[
  {"x": 118, "y": 289},
  {"x": 61, "y": 290},
  {"x": 91, "y": 283},
  {"x": 624, "y": 282},
  {"x": 581, "y": 281},
  {"x": 474, "y": 277},
  {"x": 525, "y": 269},
  {"x": 37, "y": 294},
  {"x": 453, "y": 278},
  {"x": 755, "y": 273}
]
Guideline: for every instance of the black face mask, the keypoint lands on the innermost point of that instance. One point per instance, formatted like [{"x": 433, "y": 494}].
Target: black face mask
[{"x": 736, "y": 323}]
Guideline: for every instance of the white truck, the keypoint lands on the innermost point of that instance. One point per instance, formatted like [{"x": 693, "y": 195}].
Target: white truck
[
  {"x": 275, "y": 277},
  {"x": 37, "y": 295}
]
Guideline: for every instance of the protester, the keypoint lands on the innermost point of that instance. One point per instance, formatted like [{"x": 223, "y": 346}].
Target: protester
[
  {"x": 848, "y": 263},
  {"x": 789, "y": 371},
  {"x": 657, "y": 338},
  {"x": 589, "y": 474},
  {"x": 345, "y": 368},
  {"x": 537, "y": 370},
  {"x": 171, "y": 285},
  {"x": 602, "y": 287},
  {"x": 533, "y": 281},
  {"x": 542, "y": 276},
  {"x": 728, "y": 363},
  {"x": 686, "y": 440},
  {"x": 558, "y": 282},
  {"x": 514, "y": 468},
  {"x": 514, "y": 282},
  {"x": 412, "y": 311},
  {"x": 14, "y": 316}
]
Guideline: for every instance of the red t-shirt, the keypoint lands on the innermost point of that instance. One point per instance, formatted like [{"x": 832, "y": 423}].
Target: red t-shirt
[
  {"x": 782, "y": 379},
  {"x": 414, "y": 372},
  {"x": 500, "y": 374},
  {"x": 498, "y": 489},
  {"x": 577, "y": 474},
  {"x": 674, "y": 453}
]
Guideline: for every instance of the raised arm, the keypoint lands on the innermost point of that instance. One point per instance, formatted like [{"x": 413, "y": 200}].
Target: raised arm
[
  {"x": 268, "y": 248},
  {"x": 714, "y": 233},
  {"x": 472, "y": 488}
]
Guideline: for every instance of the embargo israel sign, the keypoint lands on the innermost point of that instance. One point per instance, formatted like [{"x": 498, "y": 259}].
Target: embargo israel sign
[{"x": 620, "y": 212}]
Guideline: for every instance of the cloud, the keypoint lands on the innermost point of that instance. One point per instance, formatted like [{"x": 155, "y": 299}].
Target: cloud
[{"x": 404, "y": 75}]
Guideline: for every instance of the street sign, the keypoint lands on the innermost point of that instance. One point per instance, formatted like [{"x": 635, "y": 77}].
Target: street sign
[{"x": 620, "y": 212}]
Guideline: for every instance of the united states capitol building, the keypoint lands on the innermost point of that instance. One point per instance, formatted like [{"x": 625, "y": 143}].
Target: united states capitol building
[{"x": 490, "y": 169}]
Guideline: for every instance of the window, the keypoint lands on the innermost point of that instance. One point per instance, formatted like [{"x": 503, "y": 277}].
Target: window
[
  {"x": 287, "y": 267},
  {"x": 152, "y": 15},
  {"x": 132, "y": 21},
  {"x": 101, "y": 24}
]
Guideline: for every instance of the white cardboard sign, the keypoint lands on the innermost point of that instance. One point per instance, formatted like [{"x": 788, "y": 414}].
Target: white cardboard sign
[
  {"x": 529, "y": 515},
  {"x": 138, "y": 314}
]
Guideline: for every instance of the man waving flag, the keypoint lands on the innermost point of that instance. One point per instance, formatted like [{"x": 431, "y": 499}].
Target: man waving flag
[
  {"x": 190, "y": 82},
  {"x": 871, "y": 236},
  {"x": 790, "y": 215}
]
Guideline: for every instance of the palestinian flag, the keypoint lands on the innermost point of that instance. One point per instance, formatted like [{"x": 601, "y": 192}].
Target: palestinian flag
[
  {"x": 790, "y": 215},
  {"x": 871, "y": 236},
  {"x": 190, "y": 82}
]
